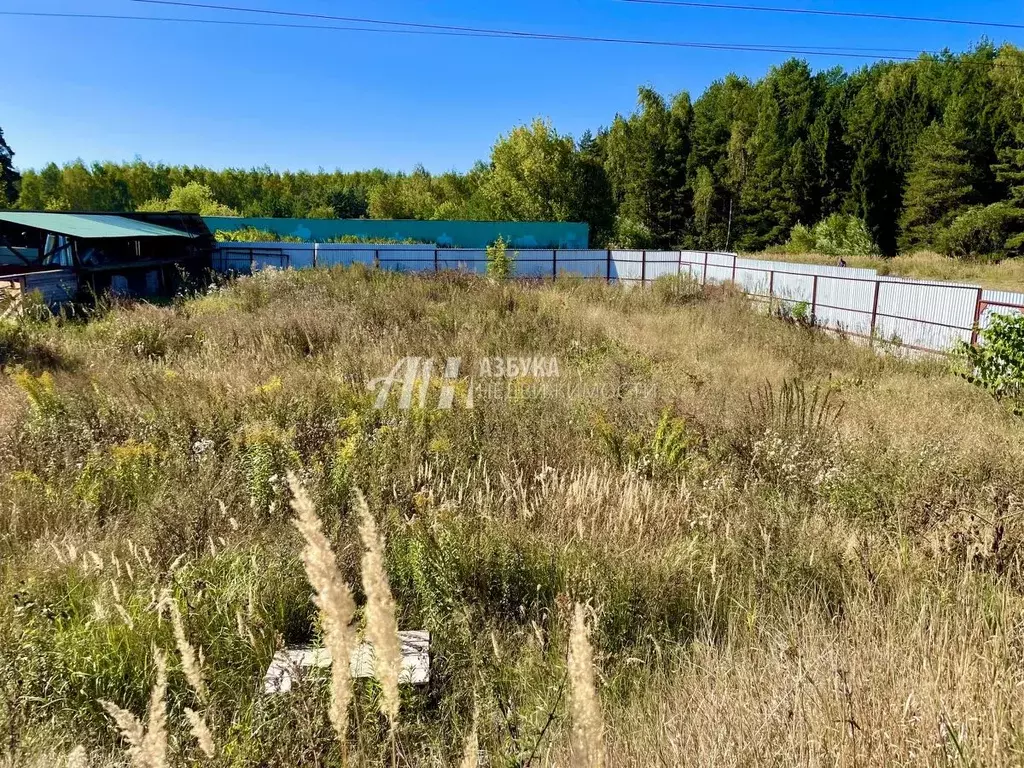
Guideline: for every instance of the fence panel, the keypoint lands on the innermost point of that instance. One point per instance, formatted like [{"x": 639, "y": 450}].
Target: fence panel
[
  {"x": 925, "y": 315},
  {"x": 691, "y": 263},
  {"x": 752, "y": 278},
  {"x": 242, "y": 256},
  {"x": 406, "y": 259},
  {"x": 661, "y": 264},
  {"x": 341, "y": 255},
  {"x": 252, "y": 258},
  {"x": 844, "y": 304},
  {"x": 809, "y": 269},
  {"x": 534, "y": 264},
  {"x": 627, "y": 266},
  {"x": 591, "y": 265},
  {"x": 463, "y": 259},
  {"x": 792, "y": 288},
  {"x": 999, "y": 303},
  {"x": 720, "y": 267}
]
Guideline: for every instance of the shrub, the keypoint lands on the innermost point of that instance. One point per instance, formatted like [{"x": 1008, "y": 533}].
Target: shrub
[
  {"x": 321, "y": 212},
  {"x": 190, "y": 198},
  {"x": 802, "y": 312},
  {"x": 676, "y": 290},
  {"x": 997, "y": 363},
  {"x": 630, "y": 233},
  {"x": 499, "y": 263},
  {"x": 254, "y": 235},
  {"x": 982, "y": 231},
  {"x": 800, "y": 240},
  {"x": 837, "y": 235}
]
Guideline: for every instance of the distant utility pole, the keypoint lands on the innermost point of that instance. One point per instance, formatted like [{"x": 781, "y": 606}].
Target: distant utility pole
[{"x": 728, "y": 232}]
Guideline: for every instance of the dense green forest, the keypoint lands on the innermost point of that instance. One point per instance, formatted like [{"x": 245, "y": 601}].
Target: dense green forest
[{"x": 927, "y": 154}]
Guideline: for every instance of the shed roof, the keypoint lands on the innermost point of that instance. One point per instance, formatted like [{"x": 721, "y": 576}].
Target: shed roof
[{"x": 90, "y": 225}]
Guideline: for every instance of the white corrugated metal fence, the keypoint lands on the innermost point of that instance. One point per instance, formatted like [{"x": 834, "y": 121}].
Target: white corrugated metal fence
[{"x": 916, "y": 314}]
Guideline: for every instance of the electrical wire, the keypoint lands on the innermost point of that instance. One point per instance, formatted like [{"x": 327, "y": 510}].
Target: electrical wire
[
  {"x": 499, "y": 32},
  {"x": 420, "y": 28},
  {"x": 398, "y": 27},
  {"x": 819, "y": 12}
]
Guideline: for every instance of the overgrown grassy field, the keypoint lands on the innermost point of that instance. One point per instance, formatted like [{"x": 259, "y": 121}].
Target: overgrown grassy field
[
  {"x": 1006, "y": 275},
  {"x": 793, "y": 550}
]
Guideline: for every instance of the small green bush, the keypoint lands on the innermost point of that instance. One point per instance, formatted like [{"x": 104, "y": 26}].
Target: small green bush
[
  {"x": 997, "y": 362},
  {"x": 982, "y": 231},
  {"x": 630, "y": 233},
  {"x": 837, "y": 235},
  {"x": 499, "y": 263},
  {"x": 801, "y": 240},
  {"x": 253, "y": 235},
  {"x": 802, "y": 312}
]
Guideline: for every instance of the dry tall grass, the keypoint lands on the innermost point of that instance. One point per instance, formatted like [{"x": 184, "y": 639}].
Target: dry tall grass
[
  {"x": 587, "y": 723},
  {"x": 334, "y": 598},
  {"x": 381, "y": 624},
  {"x": 799, "y": 551},
  {"x": 147, "y": 746}
]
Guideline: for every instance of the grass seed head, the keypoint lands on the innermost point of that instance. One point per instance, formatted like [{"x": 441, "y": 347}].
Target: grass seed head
[
  {"x": 471, "y": 748},
  {"x": 201, "y": 732},
  {"x": 334, "y": 599},
  {"x": 587, "y": 736},
  {"x": 381, "y": 622},
  {"x": 78, "y": 758},
  {"x": 131, "y": 730},
  {"x": 189, "y": 664},
  {"x": 155, "y": 743}
]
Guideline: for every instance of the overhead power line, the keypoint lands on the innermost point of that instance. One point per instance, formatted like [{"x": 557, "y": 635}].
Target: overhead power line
[
  {"x": 512, "y": 33},
  {"x": 818, "y": 12},
  {"x": 228, "y": 22},
  {"x": 458, "y": 31}
]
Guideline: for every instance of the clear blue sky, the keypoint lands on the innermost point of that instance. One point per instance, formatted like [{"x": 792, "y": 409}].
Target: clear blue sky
[{"x": 302, "y": 99}]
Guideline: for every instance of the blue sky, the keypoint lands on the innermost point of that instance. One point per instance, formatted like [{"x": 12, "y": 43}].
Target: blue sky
[{"x": 303, "y": 99}]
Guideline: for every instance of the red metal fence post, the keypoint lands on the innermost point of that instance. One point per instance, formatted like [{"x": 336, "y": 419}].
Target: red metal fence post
[
  {"x": 874, "y": 312},
  {"x": 979, "y": 304}
]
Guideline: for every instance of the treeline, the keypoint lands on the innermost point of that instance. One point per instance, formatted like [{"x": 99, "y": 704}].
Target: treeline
[{"x": 926, "y": 154}]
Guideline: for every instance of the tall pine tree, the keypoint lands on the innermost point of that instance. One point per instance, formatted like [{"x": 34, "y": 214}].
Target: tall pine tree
[
  {"x": 9, "y": 177},
  {"x": 783, "y": 185},
  {"x": 939, "y": 187}
]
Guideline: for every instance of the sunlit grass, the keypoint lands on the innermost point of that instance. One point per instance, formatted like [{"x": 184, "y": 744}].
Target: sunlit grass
[{"x": 791, "y": 548}]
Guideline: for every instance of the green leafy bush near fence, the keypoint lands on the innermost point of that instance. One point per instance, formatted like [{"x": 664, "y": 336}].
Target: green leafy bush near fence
[
  {"x": 983, "y": 231},
  {"x": 997, "y": 361},
  {"x": 500, "y": 263},
  {"x": 837, "y": 235},
  {"x": 253, "y": 235}
]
